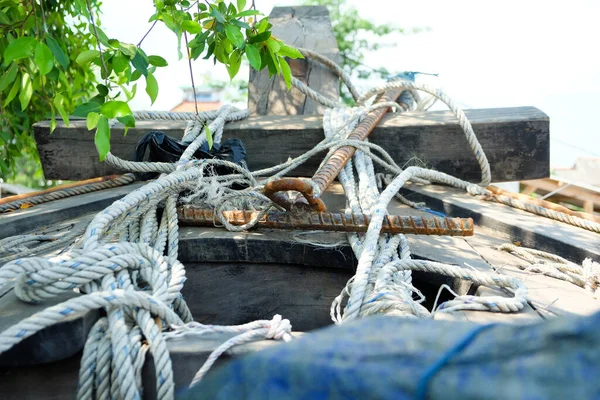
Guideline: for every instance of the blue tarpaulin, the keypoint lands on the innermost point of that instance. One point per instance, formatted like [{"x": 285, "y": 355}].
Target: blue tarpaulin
[{"x": 392, "y": 358}]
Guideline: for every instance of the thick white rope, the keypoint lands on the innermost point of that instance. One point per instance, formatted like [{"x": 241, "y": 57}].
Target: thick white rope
[
  {"x": 139, "y": 278},
  {"x": 276, "y": 329}
]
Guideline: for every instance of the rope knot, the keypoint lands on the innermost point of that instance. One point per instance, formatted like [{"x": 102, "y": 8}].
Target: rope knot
[
  {"x": 279, "y": 329},
  {"x": 476, "y": 190}
]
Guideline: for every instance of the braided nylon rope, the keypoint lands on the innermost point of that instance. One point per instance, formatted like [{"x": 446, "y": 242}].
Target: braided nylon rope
[
  {"x": 69, "y": 192},
  {"x": 536, "y": 209},
  {"x": 127, "y": 261},
  {"x": 586, "y": 275}
]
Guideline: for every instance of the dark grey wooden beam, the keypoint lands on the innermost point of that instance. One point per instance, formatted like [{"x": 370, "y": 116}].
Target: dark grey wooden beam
[
  {"x": 515, "y": 225},
  {"x": 55, "y": 212},
  {"x": 515, "y": 140}
]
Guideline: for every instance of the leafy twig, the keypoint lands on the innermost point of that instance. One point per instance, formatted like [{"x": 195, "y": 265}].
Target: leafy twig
[{"x": 89, "y": 8}]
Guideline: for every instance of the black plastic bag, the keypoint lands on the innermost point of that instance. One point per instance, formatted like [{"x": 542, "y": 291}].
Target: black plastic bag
[{"x": 162, "y": 148}]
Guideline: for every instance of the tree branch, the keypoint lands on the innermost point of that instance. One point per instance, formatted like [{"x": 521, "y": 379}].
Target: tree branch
[{"x": 89, "y": 8}]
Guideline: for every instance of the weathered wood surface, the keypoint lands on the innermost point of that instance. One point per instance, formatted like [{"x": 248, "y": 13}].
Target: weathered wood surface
[
  {"x": 515, "y": 140},
  {"x": 237, "y": 293},
  {"x": 21, "y": 221},
  {"x": 54, "y": 343},
  {"x": 58, "y": 380},
  {"x": 304, "y": 27},
  {"x": 550, "y": 297},
  {"x": 515, "y": 225}
]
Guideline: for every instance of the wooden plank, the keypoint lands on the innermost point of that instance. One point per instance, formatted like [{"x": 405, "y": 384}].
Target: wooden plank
[
  {"x": 516, "y": 142},
  {"x": 57, "y": 342},
  {"x": 236, "y": 293},
  {"x": 305, "y": 27},
  {"x": 578, "y": 195},
  {"x": 550, "y": 297},
  {"x": 34, "y": 218},
  {"x": 58, "y": 380},
  {"x": 530, "y": 229}
]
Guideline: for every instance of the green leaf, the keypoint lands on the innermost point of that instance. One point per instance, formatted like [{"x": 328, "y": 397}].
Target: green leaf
[
  {"x": 59, "y": 103},
  {"x": 157, "y": 61},
  {"x": 102, "y": 38},
  {"x": 151, "y": 87},
  {"x": 210, "y": 51},
  {"x": 135, "y": 75},
  {"x": 128, "y": 121},
  {"x": 86, "y": 108},
  {"x": 129, "y": 94},
  {"x": 58, "y": 52},
  {"x": 13, "y": 92},
  {"x": 102, "y": 90},
  {"x": 191, "y": 26},
  {"x": 196, "y": 51},
  {"x": 271, "y": 64},
  {"x": 92, "y": 120},
  {"x": 262, "y": 25},
  {"x": 140, "y": 63},
  {"x": 234, "y": 34},
  {"x": 253, "y": 57},
  {"x": 43, "y": 58},
  {"x": 128, "y": 49},
  {"x": 209, "y": 138},
  {"x": 26, "y": 91},
  {"x": 241, "y": 24},
  {"x": 215, "y": 13},
  {"x": 247, "y": 13},
  {"x": 120, "y": 62},
  {"x": 113, "y": 109},
  {"x": 9, "y": 76},
  {"x": 261, "y": 37},
  {"x": 85, "y": 57},
  {"x": 20, "y": 48},
  {"x": 52, "y": 122},
  {"x": 234, "y": 64},
  {"x": 273, "y": 46},
  {"x": 102, "y": 138},
  {"x": 241, "y": 4},
  {"x": 290, "y": 52},
  {"x": 286, "y": 72},
  {"x": 227, "y": 46}
]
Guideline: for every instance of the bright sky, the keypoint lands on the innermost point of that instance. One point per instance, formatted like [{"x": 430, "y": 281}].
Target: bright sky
[{"x": 487, "y": 54}]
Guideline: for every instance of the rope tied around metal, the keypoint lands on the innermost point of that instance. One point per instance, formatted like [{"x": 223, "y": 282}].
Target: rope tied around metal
[{"x": 127, "y": 260}]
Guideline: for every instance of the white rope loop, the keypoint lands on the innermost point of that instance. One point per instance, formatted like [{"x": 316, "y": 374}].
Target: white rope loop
[{"x": 463, "y": 121}]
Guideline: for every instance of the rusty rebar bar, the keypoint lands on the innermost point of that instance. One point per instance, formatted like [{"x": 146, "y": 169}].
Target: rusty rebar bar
[
  {"x": 327, "y": 173},
  {"x": 327, "y": 221}
]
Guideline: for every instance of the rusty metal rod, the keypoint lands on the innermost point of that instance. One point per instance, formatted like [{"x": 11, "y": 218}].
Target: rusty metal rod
[
  {"x": 327, "y": 221},
  {"x": 327, "y": 173}
]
